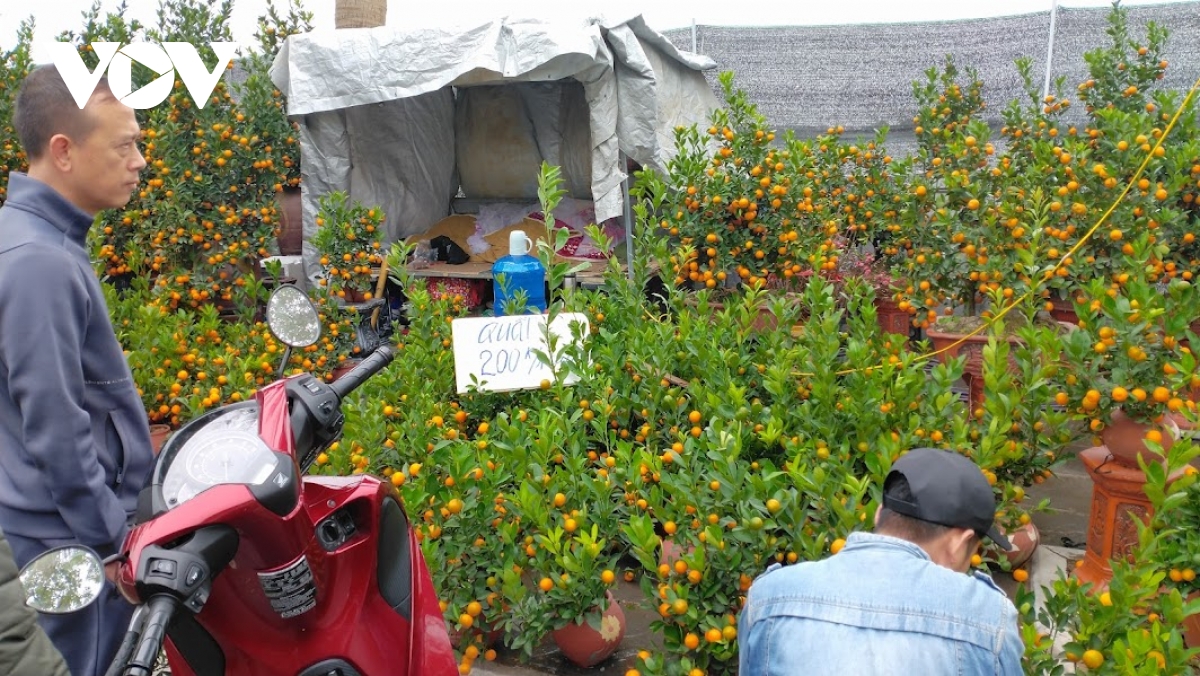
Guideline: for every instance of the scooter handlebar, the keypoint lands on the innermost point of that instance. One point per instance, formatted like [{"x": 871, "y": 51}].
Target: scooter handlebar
[
  {"x": 373, "y": 364},
  {"x": 130, "y": 643},
  {"x": 162, "y": 609}
]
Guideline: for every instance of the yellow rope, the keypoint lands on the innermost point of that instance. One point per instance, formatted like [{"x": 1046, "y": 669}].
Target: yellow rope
[{"x": 1005, "y": 310}]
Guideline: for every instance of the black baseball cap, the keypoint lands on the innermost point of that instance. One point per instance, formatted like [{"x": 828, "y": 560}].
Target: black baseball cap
[{"x": 948, "y": 489}]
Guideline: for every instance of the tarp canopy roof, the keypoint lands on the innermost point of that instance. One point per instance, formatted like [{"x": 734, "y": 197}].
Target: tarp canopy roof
[{"x": 404, "y": 117}]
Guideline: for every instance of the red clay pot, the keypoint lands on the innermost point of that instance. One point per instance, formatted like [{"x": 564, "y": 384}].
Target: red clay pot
[
  {"x": 587, "y": 647},
  {"x": 1126, "y": 438},
  {"x": 1186, "y": 427},
  {"x": 764, "y": 322},
  {"x": 1025, "y": 541},
  {"x": 1065, "y": 315},
  {"x": 158, "y": 437},
  {"x": 1191, "y": 626},
  {"x": 971, "y": 347},
  {"x": 672, "y": 552},
  {"x": 482, "y": 638},
  {"x": 291, "y": 224},
  {"x": 1064, "y": 310},
  {"x": 891, "y": 318},
  {"x": 343, "y": 368}
]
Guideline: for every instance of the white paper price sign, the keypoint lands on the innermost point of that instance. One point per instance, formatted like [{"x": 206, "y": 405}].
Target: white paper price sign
[{"x": 500, "y": 353}]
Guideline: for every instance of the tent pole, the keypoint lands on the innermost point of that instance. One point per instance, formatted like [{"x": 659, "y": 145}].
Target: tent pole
[
  {"x": 628, "y": 204},
  {"x": 1050, "y": 48}
]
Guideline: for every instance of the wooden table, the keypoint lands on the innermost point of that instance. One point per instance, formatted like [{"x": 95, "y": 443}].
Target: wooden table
[{"x": 590, "y": 277}]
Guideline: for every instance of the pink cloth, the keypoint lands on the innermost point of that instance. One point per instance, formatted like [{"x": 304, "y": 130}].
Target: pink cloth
[
  {"x": 471, "y": 290},
  {"x": 579, "y": 244}
]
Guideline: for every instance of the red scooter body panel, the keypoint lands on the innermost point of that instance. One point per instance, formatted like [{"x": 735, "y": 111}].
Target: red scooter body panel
[{"x": 351, "y": 620}]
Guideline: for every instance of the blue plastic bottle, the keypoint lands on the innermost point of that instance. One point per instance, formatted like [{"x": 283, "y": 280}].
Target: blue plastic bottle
[{"x": 519, "y": 271}]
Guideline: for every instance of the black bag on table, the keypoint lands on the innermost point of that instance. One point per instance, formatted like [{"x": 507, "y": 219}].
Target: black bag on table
[{"x": 447, "y": 251}]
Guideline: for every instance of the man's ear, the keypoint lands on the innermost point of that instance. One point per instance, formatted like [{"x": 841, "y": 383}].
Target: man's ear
[
  {"x": 965, "y": 540},
  {"x": 60, "y": 152}
]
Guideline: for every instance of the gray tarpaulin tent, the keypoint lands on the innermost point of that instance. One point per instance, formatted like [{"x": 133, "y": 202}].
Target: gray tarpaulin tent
[{"x": 409, "y": 117}]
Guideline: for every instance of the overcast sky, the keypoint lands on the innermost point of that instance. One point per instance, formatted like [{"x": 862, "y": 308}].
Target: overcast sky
[{"x": 54, "y": 16}]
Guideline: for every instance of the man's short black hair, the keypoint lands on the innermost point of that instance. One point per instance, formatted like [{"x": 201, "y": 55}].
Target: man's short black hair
[
  {"x": 45, "y": 107},
  {"x": 903, "y": 526}
]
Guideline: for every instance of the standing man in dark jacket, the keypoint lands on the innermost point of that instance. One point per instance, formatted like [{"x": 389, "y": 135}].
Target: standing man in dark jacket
[
  {"x": 74, "y": 438},
  {"x": 24, "y": 648}
]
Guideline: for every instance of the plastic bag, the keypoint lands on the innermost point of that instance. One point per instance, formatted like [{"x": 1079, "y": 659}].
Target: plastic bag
[{"x": 422, "y": 256}]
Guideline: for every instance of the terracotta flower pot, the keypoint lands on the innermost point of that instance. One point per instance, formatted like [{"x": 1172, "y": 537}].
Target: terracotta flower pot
[
  {"x": 483, "y": 638},
  {"x": 764, "y": 322},
  {"x": 945, "y": 340},
  {"x": 1186, "y": 427},
  {"x": 588, "y": 647},
  {"x": 343, "y": 368},
  {"x": 971, "y": 348},
  {"x": 1191, "y": 626},
  {"x": 1126, "y": 438},
  {"x": 672, "y": 552},
  {"x": 1066, "y": 315},
  {"x": 1025, "y": 541},
  {"x": 158, "y": 437},
  {"x": 1063, "y": 310},
  {"x": 891, "y": 318},
  {"x": 291, "y": 224}
]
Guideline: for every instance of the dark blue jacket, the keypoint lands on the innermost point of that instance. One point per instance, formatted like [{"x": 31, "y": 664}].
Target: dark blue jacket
[{"x": 74, "y": 438}]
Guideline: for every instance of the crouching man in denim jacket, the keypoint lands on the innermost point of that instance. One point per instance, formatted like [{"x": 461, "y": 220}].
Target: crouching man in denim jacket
[{"x": 896, "y": 601}]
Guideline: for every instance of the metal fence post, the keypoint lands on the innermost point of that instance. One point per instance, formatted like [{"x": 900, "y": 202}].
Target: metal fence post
[{"x": 1050, "y": 48}]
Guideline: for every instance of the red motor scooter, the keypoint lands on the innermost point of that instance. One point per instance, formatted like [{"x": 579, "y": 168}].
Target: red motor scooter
[{"x": 246, "y": 566}]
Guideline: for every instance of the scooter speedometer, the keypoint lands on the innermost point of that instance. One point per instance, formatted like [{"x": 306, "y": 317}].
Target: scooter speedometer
[{"x": 227, "y": 450}]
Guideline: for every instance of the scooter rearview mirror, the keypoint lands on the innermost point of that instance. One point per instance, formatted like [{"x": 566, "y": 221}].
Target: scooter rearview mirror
[
  {"x": 292, "y": 317},
  {"x": 63, "y": 580}
]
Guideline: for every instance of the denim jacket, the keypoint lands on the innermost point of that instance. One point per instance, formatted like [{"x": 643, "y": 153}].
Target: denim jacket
[{"x": 880, "y": 606}]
